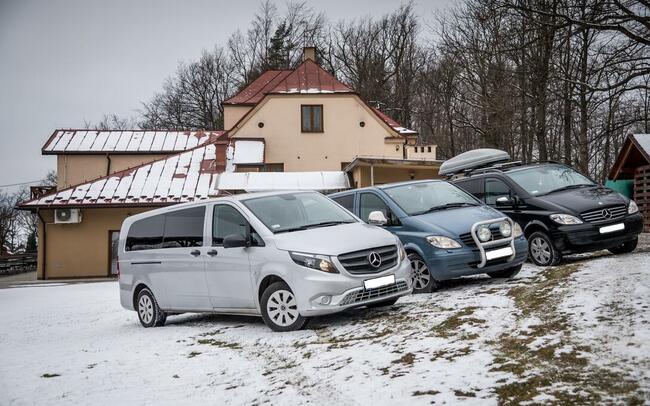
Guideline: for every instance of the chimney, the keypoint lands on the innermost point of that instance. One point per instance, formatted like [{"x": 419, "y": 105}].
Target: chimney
[{"x": 309, "y": 53}]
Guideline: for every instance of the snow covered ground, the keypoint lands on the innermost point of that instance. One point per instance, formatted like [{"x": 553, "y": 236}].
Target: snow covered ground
[{"x": 577, "y": 333}]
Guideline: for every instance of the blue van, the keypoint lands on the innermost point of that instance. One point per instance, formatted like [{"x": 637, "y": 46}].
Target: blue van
[{"x": 446, "y": 232}]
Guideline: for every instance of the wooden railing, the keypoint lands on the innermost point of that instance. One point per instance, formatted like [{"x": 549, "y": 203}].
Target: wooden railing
[
  {"x": 642, "y": 194},
  {"x": 13, "y": 264}
]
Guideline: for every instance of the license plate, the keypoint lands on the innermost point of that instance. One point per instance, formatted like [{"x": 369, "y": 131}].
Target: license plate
[
  {"x": 612, "y": 228},
  {"x": 500, "y": 253},
  {"x": 378, "y": 282}
]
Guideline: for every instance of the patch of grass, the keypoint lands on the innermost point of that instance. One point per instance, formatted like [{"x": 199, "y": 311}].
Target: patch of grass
[
  {"x": 193, "y": 354},
  {"x": 454, "y": 323},
  {"x": 406, "y": 359},
  {"x": 547, "y": 368},
  {"x": 451, "y": 354},
  {"x": 464, "y": 394},
  {"x": 48, "y": 375},
  {"x": 425, "y": 393},
  {"x": 219, "y": 343}
]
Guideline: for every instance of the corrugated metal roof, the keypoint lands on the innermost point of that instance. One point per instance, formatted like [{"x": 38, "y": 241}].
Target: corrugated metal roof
[
  {"x": 183, "y": 177},
  {"x": 130, "y": 141}
]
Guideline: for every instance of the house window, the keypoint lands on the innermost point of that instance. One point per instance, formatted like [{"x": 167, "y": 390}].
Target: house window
[
  {"x": 428, "y": 149},
  {"x": 311, "y": 118}
]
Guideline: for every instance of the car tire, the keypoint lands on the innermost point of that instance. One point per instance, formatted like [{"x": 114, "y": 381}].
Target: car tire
[
  {"x": 383, "y": 303},
  {"x": 506, "y": 273},
  {"x": 149, "y": 312},
  {"x": 626, "y": 247},
  {"x": 280, "y": 309},
  {"x": 542, "y": 251},
  {"x": 423, "y": 281}
]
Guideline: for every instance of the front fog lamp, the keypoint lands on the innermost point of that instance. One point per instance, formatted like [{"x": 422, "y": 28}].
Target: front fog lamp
[
  {"x": 443, "y": 242},
  {"x": 632, "y": 208},
  {"x": 565, "y": 219},
  {"x": 483, "y": 233},
  {"x": 505, "y": 229},
  {"x": 314, "y": 261}
]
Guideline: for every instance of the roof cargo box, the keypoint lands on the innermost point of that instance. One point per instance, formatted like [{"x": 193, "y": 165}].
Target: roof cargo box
[{"x": 473, "y": 159}]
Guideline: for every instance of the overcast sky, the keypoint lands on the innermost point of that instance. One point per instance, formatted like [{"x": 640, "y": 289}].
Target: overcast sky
[{"x": 66, "y": 61}]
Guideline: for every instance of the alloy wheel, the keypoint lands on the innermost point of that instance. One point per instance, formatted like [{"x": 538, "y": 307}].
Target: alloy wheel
[
  {"x": 540, "y": 250},
  {"x": 145, "y": 308},
  {"x": 421, "y": 274},
  {"x": 282, "y": 308}
]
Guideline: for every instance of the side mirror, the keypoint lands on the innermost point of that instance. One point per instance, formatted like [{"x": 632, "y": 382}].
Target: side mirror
[
  {"x": 377, "y": 218},
  {"x": 234, "y": 241},
  {"x": 506, "y": 201}
]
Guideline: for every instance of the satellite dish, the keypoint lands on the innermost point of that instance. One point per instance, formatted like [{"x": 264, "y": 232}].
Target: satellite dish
[{"x": 473, "y": 159}]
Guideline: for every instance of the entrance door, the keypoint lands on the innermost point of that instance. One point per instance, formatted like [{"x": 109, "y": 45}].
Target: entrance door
[{"x": 113, "y": 240}]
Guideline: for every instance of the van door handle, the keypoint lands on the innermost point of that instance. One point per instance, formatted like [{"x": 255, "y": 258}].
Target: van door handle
[
  {"x": 195, "y": 253},
  {"x": 212, "y": 253}
]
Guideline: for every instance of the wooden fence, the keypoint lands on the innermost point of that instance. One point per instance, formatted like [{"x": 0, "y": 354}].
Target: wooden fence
[
  {"x": 642, "y": 194},
  {"x": 13, "y": 264}
]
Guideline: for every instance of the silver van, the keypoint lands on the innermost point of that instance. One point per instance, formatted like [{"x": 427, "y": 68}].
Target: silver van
[{"x": 285, "y": 256}]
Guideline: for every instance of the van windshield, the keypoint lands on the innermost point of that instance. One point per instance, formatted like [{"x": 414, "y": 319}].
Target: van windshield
[
  {"x": 297, "y": 211},
  {"x": 545, "y": 179},
  {"x": 424, "y": 197}
]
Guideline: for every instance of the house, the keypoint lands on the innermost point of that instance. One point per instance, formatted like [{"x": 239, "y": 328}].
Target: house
[
  {"x": 632, "y": 168},
  {"x": 299, "y": 120}
]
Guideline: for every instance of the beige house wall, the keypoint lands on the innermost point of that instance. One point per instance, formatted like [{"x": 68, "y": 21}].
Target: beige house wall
[
  {"x": 79, "y": 250},
  {"x": 232, "y": 114},
  {"x": 341, "y": 141},
  {"x": 75, "y": 169}
]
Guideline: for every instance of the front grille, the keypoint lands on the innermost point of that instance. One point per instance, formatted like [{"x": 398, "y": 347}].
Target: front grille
[
  {"x": 357, "y": 262},
  {"x": 595, "y": 216},
  {"x": 367, "y": 294},
  {"x": 469, "y": 241}
]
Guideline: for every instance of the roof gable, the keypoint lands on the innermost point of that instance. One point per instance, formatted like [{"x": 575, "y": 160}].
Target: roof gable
[
  {"x": 255, "y": 91},
  {"x": 125, "y": 141},
  {"x": 309, "y": 77}
]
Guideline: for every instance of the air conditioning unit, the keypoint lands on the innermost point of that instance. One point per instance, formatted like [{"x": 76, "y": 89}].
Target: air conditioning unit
[{"x": 67, "y": 216}]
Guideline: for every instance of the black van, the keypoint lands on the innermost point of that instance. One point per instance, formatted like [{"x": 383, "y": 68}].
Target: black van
[{"x": 560, "y": 210}]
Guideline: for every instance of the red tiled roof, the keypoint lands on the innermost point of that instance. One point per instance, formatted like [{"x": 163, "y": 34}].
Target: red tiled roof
[
  {"x": 392, "y": 123},
  {"x": 308, "y": 77},
  {"x": 254, "y": 92}
]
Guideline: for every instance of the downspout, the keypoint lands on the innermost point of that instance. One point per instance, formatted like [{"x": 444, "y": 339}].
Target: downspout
[
  {"x": 108, "y": 164},
  {"x": 44, "y": 242},
  {"x": 406, "y": 140}
]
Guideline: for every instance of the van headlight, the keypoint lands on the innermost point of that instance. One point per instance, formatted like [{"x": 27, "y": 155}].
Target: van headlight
[
  {"x": 314, "y": 261},
  {"x": 632, "y": 207},
  {"x": 443, "y": 242},
  {"x": 517, "y": 231},
  {"x": 401, "y": 251},
  {"x": 565, "y": 219}
]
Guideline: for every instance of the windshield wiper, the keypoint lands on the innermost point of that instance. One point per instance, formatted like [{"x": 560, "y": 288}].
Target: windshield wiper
[
  {"x": 327, "y": 223},
  {"x": 447, "y": 206},
  {"x": 314, "y": 225},
  {"x": 569, "y": 187}
]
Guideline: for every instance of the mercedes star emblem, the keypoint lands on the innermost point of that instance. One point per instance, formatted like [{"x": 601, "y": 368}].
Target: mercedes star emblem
[
  {"x": 606, "y": 214},
  {"x": 374, "y": 259}
]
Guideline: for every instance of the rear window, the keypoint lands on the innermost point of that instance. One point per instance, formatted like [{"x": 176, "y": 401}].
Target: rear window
[
  {"x": 146, "y": 234},
  {"x": 176, "y": 229}
]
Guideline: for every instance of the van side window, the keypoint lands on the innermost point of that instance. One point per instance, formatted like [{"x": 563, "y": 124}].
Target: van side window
[
  {"x": 145, "y": 234},
  {"x": 495, "y": 188},
  {"x": 227, "y": 220},
  {"x": 473, "y": 187},
  {"x": 184, "y": 228},
  {"x": 369, "y": 202},
  {"x": 346, "y": 201}
]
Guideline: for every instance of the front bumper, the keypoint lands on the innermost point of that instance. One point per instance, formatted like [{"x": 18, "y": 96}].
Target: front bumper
[
  {"x": 449, "y": 264},
  {"x": 586, "y": 237},
  {"x": 345, "y": 291}
]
